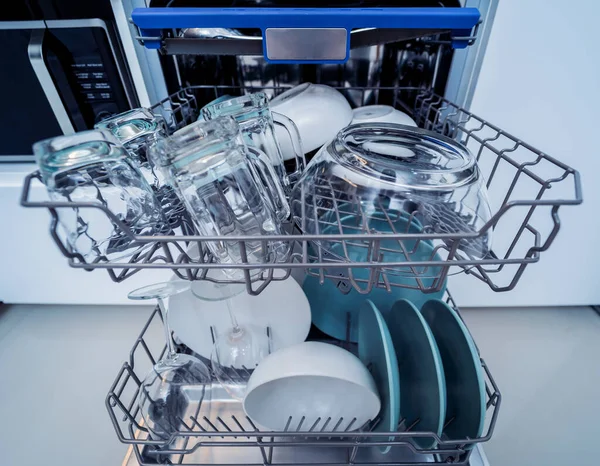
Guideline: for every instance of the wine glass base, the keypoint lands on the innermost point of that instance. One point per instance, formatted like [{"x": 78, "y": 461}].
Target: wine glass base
[{"x": 171, "y": 388}]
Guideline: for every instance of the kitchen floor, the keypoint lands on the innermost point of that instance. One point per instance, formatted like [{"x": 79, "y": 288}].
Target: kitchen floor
[{"x": 57, "y": 363}]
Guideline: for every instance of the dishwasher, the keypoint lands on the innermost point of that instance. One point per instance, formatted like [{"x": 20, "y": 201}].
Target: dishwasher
[{"x": 420, "y": 57}]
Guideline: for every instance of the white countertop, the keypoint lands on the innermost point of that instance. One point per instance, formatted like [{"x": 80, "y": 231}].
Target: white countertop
[{"x": 58, "y": 363}]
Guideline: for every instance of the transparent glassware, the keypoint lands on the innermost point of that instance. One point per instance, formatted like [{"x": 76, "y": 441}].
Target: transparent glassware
[
  {"x": 239, "y": 348},
  {"x": 225, "y": 187},
  {"x": 257, "y": 122},
  {"x": 375, "y": 171},
  {"x": 178, "y": 383},
  {"x": 137, "y": 130},
  {"x": 92, "y": 167}
]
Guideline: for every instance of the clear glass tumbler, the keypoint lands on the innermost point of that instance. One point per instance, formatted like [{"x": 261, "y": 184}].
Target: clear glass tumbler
[
  {"x": 257, "y": 122},
  {"x": 92, "y": 167},
  {"x": 137, "y": 130},
  {"x": 223, "y": 186}
]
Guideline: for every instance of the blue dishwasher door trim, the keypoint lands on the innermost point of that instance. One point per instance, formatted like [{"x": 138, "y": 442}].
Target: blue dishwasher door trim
[{"x": 151, "y": 21}]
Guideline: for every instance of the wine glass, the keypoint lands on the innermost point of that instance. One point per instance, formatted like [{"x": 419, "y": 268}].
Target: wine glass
[
  {"x": 176, "y": 383},
  {"x": 239, "y": 348}
]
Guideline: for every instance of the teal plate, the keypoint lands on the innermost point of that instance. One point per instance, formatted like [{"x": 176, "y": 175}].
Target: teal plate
[
  {"x": 465, "y": 384},
  {"x": 376, "y": 351},
  {"x": 422, "y": 381}
]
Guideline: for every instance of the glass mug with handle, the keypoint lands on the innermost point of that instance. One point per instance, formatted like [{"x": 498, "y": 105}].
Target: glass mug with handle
[
  {"x": 257, "y": 122},
  {"x": 92, "y": 167},
  {"x": 222, "y": 184}
]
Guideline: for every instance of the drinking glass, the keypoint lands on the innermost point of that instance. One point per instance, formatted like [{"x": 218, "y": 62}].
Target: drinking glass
[
  {"x": 138, "y": 130},
  {"x": 257, "y": 126},
  {"x": 92, "y": 167},
  {"x": 225, "y": 188},
  {"x": 176, "y": 382}
]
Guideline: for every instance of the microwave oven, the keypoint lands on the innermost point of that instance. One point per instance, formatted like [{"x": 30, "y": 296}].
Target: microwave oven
[{"x": 60, "y": 73}]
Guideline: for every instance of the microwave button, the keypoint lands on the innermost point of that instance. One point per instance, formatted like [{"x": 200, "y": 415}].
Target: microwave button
[
  {"x": 96, "y": 96},
  {"x": 101, "y": 85}
]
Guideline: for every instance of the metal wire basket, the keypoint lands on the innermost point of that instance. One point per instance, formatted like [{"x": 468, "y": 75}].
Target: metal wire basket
[
  {"x": 221, "y": 433},
  {"x": 526, "y": 189}
]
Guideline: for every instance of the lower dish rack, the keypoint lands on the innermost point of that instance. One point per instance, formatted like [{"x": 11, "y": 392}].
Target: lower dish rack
[{"x": 219, "y": 432}]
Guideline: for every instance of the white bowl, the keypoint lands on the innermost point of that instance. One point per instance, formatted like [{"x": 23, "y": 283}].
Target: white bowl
[
  {"x": 318, "y": 111},
  {"x": 311, "y": 380},
  {"x": 381, "y": 114}
]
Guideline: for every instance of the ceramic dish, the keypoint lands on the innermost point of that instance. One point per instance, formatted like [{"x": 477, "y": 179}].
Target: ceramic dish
[
  {"x": 381, "y": 114},
  {"x": 465, "y": 382},
  {"x": 334, "y": 304},
  {"x": 314, "y": 383},
  {"x": 318, "y": 112},
  {"x": 376, "y": 351},
  {"x": 422, "y": 381},
  {"x": 282, "y": 307}
]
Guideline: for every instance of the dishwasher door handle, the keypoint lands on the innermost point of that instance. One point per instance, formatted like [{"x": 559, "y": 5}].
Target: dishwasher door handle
[{"x": 307, "y": 35}]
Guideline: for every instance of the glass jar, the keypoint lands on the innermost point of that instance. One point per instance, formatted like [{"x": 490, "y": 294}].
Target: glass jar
[{"x": 92, "y": 167}]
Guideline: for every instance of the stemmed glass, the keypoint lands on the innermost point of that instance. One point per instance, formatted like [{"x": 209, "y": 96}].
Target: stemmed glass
[
  {"x": 238, "y": 349},
  {"x": 176, "y": 382}
]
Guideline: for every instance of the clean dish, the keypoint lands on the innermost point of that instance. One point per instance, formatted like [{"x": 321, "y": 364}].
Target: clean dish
[
  {"x": 465, "y": 383},
  {"x": 282, "y": 307},
  {"x": 376, "y": 351},
  {"x": 372, "y": 164},
  {"x": 380, "y": 114},
  {"x": 334, "y": 304},
  {"x": 318, "y": 112},
  {"x": 311, "y": 386},
  {"x": 422, "y": 381}
]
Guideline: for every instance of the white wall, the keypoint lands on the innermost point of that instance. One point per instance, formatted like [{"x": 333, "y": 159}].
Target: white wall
[
  {"x": 32, "y": 269},
  {"x": 540, "y": 82}
]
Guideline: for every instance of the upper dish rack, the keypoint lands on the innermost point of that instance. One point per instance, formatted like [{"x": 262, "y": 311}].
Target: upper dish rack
[{"x": 526, "y": 189}]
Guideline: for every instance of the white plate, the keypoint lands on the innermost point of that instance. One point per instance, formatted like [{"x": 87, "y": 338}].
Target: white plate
[
  {"x": 380, "y": 114},
  {"x": 282, "y": 306},
  {"x": 317, "y": 385}
]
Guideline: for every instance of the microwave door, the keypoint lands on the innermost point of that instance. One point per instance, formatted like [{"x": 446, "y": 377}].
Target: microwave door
[
  {"x": 87, "y": 71},
  {"x": 31, "y": 110}
]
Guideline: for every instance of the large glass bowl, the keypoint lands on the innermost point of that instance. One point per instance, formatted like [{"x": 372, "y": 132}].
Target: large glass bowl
[{"x": 372, "y": 174}]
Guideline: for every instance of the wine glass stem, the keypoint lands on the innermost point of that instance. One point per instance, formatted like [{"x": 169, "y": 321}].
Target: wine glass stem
[
  {"x": 165, "y": 316},
  {"x": 234, "y": 322}
]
